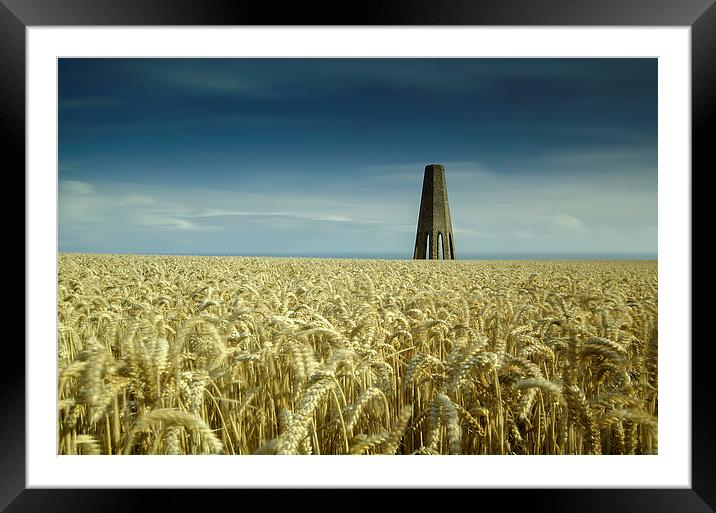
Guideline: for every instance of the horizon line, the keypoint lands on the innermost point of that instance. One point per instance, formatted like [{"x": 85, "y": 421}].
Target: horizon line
[{"x": 504, "y": 255}]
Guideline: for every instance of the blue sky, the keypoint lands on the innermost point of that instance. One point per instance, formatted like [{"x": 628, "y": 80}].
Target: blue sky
[{"x": 326, "y": 156}]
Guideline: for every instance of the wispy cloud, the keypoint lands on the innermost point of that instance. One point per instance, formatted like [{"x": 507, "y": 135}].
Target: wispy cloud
[
  {"x": 214, "y": 215},
  {"x": 82, "y": 204},
  {"x": 568, "y": 221},
  {"x": 102, "y": 211},
  {"x": 265, "y": 120},
  {"x": 213, "y": 82},
  {"x": 90, "y": 102},
  {"x": 490, "y": 211},
  {"x": 76, "y": 188}
]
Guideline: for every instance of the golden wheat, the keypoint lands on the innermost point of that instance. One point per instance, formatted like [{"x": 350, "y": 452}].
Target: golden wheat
[{"x": 229, "y": 355}]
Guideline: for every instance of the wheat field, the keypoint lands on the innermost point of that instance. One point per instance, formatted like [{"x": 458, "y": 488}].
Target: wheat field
[{"x": 240, "y": 355}]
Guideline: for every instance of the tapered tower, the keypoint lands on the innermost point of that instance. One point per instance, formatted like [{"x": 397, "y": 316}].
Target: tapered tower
[{"x": 434, "y": 239}]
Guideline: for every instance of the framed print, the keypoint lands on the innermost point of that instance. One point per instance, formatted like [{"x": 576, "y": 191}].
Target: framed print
[{"x": 231, "y": 216}]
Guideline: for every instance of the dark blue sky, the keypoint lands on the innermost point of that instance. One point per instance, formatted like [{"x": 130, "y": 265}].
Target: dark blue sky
[{"x": 302, "y": 156}]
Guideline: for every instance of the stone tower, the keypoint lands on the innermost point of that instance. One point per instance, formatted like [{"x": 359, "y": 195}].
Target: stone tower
[{"x": 434, "y": 239}]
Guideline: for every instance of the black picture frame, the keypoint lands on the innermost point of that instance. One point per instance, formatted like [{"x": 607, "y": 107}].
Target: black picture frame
[{"x": 16, "y": 15}]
